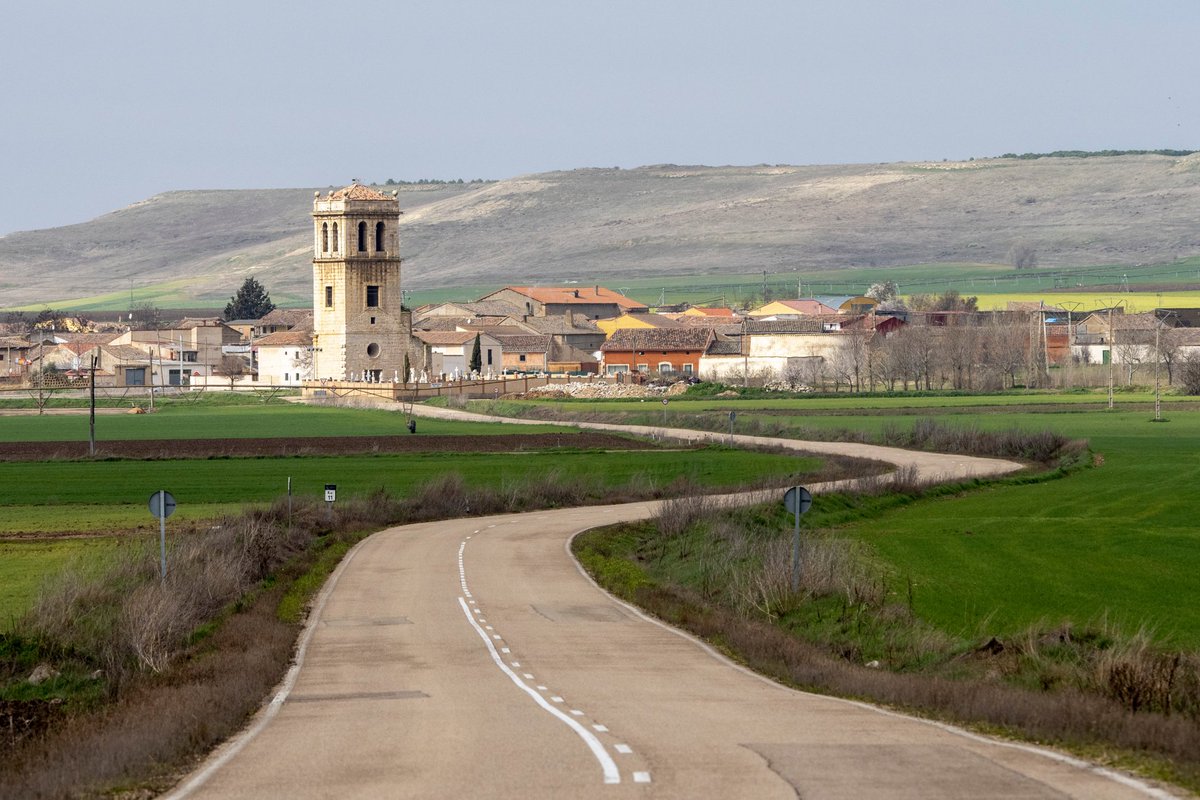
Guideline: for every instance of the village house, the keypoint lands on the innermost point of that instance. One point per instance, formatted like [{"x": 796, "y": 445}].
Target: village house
[
  {"x": 192, "y": 348},
  {"x": 284, "y": 358},
  {"x": 666, "y": 351},
  {"x": 635, "y": 321},
  {"x": 524, "y": 352},
  {"x": 448, "y": 353},
  {"x": 788, "y": 309},
  {"x": 591, "y": 302},
  {"x": 14, "y": 359}
]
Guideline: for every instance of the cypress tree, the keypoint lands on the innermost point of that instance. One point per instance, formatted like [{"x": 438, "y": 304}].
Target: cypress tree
[
  {"x": 251, "y": 302},
  {"x": 476, "y": 356}
]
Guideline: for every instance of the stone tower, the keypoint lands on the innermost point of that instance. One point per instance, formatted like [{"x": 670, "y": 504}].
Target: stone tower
[{"x": 360, "y": 329}]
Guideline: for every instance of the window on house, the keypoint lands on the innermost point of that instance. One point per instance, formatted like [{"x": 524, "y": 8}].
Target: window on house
[
  {"x": 135, "y": 377},
  {"x": 615, "y": 369},
  {"x": 372, "y": 297},
  {"x": 329, "y": 297},
  {"x": 285, "y": 377},
  {"x": 521, "y": 357},
  {"x": 325, "y": 237},
  {"x": 378, "y": 236},
  {"x": 191, "y": 355},
  {"x": 372, "y": 320},
  {"x": 643, "y": 367},
  {"x": 335, "y": 237},
  {"x": 489, "y": 361},
  {"x": 665, "y": 366},
  {"x": 362, "y": 237},
  {"x": 687, "y": 369}
]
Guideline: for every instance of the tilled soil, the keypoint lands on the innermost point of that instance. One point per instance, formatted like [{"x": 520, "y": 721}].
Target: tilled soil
[{"x": 315, "y": 446}]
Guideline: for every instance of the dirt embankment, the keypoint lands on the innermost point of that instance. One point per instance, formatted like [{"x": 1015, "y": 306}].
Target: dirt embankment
[{"x": 315, "y": 446}]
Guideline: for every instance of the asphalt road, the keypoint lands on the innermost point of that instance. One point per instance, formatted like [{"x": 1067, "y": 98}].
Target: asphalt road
[{"x": 473, "y": 658}]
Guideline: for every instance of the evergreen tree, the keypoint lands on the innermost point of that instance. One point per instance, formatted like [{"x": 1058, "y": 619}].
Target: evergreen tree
[
  {"x": 476, "y": 356},
  {"x": 251, "y": 302}
]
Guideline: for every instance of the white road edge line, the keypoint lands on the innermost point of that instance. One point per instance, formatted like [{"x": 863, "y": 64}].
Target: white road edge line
[
  {"x": 609, "y": 767},
  {"x": 1086, "y": 766},
  {"x": 239, "y": 741}
]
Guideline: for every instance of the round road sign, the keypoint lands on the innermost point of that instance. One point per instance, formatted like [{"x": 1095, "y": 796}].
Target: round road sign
[
  {"x": 797, "y": 496},
  {"x": 168, "y": 504}
]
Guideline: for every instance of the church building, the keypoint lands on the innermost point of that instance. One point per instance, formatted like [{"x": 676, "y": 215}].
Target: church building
[{"x": 361, "y": 331}]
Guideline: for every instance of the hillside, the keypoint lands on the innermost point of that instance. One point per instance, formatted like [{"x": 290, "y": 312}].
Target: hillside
[{"x": 603, "y": 225}]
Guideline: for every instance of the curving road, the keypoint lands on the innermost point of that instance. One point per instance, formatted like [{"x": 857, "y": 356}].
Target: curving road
[{"x": 473, "y": 658}]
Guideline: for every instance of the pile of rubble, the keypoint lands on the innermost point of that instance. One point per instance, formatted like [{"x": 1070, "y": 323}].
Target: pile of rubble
[{"x": 602, "y": 390}]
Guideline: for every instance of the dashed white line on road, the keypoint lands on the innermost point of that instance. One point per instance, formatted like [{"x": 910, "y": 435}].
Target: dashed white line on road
[
  {"x": 607, "y": 766},
  {"x": 641, "y": 777},
  {"x": 623, "y": 749}
]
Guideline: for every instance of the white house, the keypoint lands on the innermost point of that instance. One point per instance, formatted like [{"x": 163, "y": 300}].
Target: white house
[{"x": 284, "y": 358}]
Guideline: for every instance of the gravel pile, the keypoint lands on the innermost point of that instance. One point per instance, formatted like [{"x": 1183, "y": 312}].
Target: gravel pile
[{"x": 604, "y": 390}]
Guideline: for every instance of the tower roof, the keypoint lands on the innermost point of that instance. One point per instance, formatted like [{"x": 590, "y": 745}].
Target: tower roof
[{"x": 356, "y": 191}]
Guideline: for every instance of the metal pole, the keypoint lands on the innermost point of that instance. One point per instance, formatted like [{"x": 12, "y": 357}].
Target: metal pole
[
  {"x": 1157, "y": 359},
  {"x": 796, "y": 550},
  {"x": 1112, "y": 356},
  {"x": 92, "y": 416},
  {"x": 162, "y": 530}
]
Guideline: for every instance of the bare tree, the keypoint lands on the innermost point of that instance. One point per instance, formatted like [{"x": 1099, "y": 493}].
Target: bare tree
[
  {"x": 1022, "y": 255},
  {"x": 961, "y": 351},
  {"x": 232, "y": 367},
  {"x": 145, "y": 317}
]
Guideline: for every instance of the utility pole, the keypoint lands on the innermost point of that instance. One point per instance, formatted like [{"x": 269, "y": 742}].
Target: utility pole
[
  {"x": 92, "y": 415},
  {"x": 1157, "y": 359},
  {"x": 1112, "y": 356}
]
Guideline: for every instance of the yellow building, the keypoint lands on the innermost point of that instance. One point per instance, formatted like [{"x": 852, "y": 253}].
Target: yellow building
[{"x": 635, "y": 322}]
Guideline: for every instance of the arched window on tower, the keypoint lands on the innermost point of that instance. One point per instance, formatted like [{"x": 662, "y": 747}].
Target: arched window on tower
[
  {"x": 324, "y": 237},
  {"x": 378, "y": 236},
  {"x": 362, "y": 237},
  {"x": 335, "y": 237}
]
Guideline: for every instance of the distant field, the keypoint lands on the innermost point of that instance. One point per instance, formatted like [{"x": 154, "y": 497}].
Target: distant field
[
  {"x": 182, "y": 421},
  {"x": 995, "y": 284},
  {"x": 1079, "y": 303}
]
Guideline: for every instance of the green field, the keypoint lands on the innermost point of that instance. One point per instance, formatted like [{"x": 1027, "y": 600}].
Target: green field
[
  {"x": 25, "y": 565},
  {"x": 247, "y": 480},
  {"x": 84, "y": 496},
  {"x": 182, "y": 421},
  {"x": 1118, "y": 543}
]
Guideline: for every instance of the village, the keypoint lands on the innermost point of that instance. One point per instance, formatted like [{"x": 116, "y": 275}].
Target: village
[
  {"x": 360, "y": 334},
  {"x": 822, "y": 343}
]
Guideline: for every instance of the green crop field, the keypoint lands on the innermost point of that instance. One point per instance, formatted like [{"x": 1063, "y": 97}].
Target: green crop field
[
  {"x": 25, "y": 565},
  {"x": 96, "y": 497},
  {"x": 246, "y": 480},
  {"x": 1117, "y": 543},
  {"x": 181, "y": 421}
]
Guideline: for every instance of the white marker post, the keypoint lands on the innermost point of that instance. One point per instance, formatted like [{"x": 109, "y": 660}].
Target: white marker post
[
  {"x": 330, "y": 496},
  {"x": 162, "y": 505},
  {"x": 798, "y": 500}
]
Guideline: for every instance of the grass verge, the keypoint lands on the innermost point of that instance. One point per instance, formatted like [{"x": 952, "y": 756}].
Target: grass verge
[{"x": 725, "y": 575}]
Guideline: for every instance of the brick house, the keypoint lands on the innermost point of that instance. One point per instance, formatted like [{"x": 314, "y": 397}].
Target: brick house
[{"x": 663, "y": 350}]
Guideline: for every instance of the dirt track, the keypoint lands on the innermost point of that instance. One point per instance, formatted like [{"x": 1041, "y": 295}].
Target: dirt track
[{"x": 315, "y": 445}]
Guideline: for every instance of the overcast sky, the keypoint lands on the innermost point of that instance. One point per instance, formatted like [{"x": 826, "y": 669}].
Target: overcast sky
[{"x": 107, "y": 103}]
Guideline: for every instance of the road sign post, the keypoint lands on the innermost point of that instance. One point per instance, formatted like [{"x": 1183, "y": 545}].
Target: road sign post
[
  {"x": 162, "y": 505},
  {"x": 330, "y": 496},
  {"x": 798, "y": 501}
]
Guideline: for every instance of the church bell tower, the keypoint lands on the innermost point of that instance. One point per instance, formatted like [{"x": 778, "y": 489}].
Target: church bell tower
[{"x": 360, "y": 329}]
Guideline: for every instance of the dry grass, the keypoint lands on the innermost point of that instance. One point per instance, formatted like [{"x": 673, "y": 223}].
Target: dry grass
[{"x": 185, "y": 660}]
